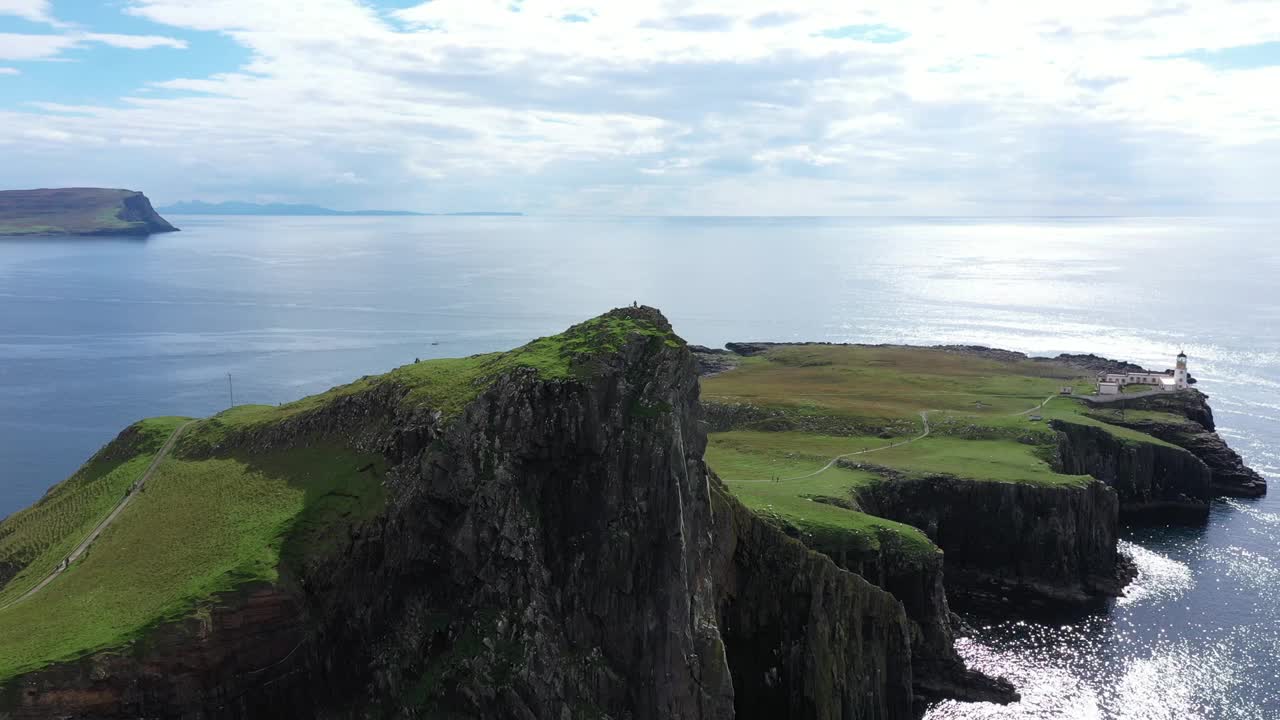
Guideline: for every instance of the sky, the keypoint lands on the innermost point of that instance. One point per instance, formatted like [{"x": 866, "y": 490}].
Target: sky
[{"x": 652, "y": 107}]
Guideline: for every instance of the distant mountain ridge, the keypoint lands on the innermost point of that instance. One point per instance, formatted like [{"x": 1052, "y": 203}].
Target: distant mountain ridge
[
  {"x": 197, "y": 207},
  {"x": 78, "y": 211}
]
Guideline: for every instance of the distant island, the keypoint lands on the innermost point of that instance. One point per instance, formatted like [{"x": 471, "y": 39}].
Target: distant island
[
  {"x": 197, "y": 207},
  {"x": 78, "y": 211}
]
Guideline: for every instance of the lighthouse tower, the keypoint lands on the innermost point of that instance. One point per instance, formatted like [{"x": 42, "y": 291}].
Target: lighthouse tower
[{"x": 1180, "y": 373}]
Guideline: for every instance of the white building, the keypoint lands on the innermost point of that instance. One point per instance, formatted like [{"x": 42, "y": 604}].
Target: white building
[{"x": 1167, "y": 381}]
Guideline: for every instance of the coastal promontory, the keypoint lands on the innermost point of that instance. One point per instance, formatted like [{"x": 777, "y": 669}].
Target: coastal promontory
[
  {"x": 78, "y": 211},
  {"x": 603, "y": 523}
]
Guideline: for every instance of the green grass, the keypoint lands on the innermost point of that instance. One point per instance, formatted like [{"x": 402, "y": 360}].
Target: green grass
[
  {"x": 888, "y": 382},
  {"x": 814, "y": 508},
  {"x": 199, "y": 528},
  {"x": 746, "y": 455},
  {"x": 986, "y": 420},
  {"x": 39, "y": 537},
  {"x": 1113, "y": 415},
  {"x": 448, "y": 385}
]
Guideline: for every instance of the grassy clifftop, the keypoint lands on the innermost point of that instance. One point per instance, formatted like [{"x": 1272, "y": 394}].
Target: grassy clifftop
[
  {"x": 799, "y": 425},
  {"x": 78, "y": 211},
  {"x": 216, "y": 516}
]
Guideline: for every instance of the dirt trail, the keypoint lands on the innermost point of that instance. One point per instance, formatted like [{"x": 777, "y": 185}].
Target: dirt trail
[
  {"x": 106, "y": 522},
  {"x": 924, "y": 418}
]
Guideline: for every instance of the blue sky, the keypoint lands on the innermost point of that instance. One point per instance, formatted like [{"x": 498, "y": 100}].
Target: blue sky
[{"x": 651, "y": 106}]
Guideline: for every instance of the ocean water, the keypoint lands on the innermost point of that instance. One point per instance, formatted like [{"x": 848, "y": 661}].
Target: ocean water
[{"x": 95, "y": 334}]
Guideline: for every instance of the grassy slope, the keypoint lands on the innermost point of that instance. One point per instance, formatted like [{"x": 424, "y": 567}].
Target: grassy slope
[
  {"x": 980, "y": 412},
  {"x": 199, "y": 528},
  {"x": 40, "y": 536},
  {"x": 207, "y": 525},
  {"x": 66, "y": 211}
]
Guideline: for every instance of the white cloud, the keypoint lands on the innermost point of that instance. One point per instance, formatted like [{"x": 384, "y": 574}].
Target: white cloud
[
  {"x": 33, "y": 10},
  {"x": 701, "y": 106},
  {"x": 18, "y": 46},
  {"x": 48, "y": 46},
  {"x": 133, "y": 42},
  {"x": 10, "y": 71}
]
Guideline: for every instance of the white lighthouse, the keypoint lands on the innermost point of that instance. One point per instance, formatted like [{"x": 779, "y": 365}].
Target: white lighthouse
[
  {"x": 1113, "y": 383},
  {"x": 1180, "y": 373}
]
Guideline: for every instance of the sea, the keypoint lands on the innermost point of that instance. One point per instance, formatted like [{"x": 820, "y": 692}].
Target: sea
[{"x": 97, "y": 333}]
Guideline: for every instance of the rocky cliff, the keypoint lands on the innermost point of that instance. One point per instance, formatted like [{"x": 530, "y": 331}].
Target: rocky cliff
[
  {"x": 79, "y": 211},
  {"x": 916, "y": 580},
  {"x": 1154, "y": 482},
  {"x": 1012, "y": 546},
  {"x": 1196, "y": 433},
  {"x": 556, "y": 549}
]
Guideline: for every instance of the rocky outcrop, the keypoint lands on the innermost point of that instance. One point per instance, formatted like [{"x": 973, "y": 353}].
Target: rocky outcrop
[
  {"x": 793, "y": 647},
  {"x": 1011, "y": 545},
  {"x": 1154, "y": 482},
  {"x": 558, "y": 550},
  {"x": 713, "y": 361},
  {"x": 1229, "y": 475},
  {"x": 916, "y": 580}
]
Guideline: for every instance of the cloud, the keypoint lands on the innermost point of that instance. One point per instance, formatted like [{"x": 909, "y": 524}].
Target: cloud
[
  {"x": 19, "y": 46},
  {"x": 716, "y": 106},
  {"x": 875, "y": 33},
  {"x": 692, "y": 23},
  {"x": 133, "y": 42},
  {"x": 773, "y": 19},
  {"x": 33, "y": 10},
  {"x": 48, "y": 46},
  {"x": 10, "y": 71}
]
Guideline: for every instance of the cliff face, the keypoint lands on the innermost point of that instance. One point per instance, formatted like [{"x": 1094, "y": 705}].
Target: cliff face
[
  {"x": 1012, "y": 545},
  {"x": 1228, "y": 474},
  {"x": 794, "y": 648},
  {"x": 557, "y": 551},
  {"x": 1153, "y": 482},
  {"x": 79, "y": 211},
  {"x": 917, "y": 582}
]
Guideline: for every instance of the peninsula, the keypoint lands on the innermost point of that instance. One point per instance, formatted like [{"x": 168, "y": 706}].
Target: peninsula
[
  {"x": 607, "y": 522},
  {"x": 79, "y": 211}
]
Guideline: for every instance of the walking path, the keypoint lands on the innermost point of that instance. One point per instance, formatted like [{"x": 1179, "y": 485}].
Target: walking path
[
  {"x": 128, "y": 498},
  {"x": 924, "y": 417},
  {"x": 1038, "y": 407}
]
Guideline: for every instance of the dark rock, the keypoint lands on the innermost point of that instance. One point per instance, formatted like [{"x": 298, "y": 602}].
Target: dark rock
[
  {"x": 747, "y": 349},
  {"x": 1229, "y": 475},
  {"x": 803, "y": 638},
  {"x": 712, "y": 362},
  {"x": 917, "y": 582},
  {"x": 1154, "y": 483},
  {"x": 1031, "y": 548},
  {"x": 983, "y": 351},
  {"x": 1095, "y": 364}
]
